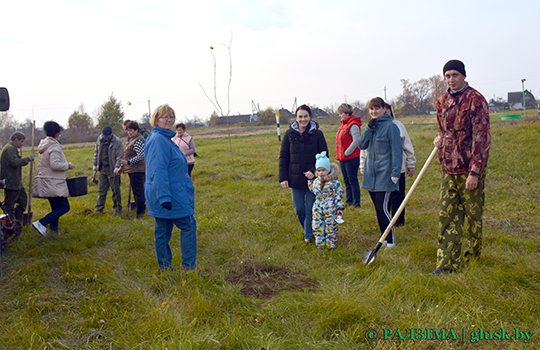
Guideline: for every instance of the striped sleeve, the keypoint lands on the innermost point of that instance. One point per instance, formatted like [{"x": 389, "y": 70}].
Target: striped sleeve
[{"x": 138, "y": 147}]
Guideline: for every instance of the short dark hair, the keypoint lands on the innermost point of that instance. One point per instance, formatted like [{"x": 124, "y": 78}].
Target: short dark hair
[
  {"x": 305, "y": 108},
  {"x": 133, "y": 125},
  {"x": 52, "y": 128},
  {"x": 377, "y": 102},
  {"x": 180, "y": 125},
  {"x": 17, "y": 135},
  {"x": 126, "y": 122}
]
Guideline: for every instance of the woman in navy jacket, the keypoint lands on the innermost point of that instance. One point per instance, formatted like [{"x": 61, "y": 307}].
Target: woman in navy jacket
[
  {"x": 169, "y": 193},
  {"x": 300, "y": 144},
  {"x": 383, "y": 163}
]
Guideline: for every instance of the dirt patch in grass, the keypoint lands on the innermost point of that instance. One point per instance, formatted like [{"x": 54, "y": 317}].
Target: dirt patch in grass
[{"x": 266, "y": 281}]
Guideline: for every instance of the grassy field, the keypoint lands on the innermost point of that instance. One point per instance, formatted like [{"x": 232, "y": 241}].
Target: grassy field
[{"x": 97, "y": 284}]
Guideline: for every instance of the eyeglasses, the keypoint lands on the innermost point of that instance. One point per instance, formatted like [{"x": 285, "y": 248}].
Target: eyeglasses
[{"x": 170, "y": 117}]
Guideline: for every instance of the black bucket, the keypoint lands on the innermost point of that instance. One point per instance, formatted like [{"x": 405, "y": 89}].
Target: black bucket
[{"x": 78, "y": 186}]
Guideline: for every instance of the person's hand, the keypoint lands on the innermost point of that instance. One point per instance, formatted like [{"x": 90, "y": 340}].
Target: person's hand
[
  {"x": 285, "y": 184},
  {"x": 31, "y": 157},
  {"x": 395, "y": 179},
  {"x": 124, "y": 162},
  {"x": 309, "y": 175},
  {"x": 361, "y": 171},
  {"x": 438, "y": 141},
  {"x": 95, "y": 168},
  {"x": 340, "y": 212},
  {"x": 472, "y": 182},
  {"x": 71, "y": 166},
  {"x": 410, "y": 172},
  {"x": 373, "y": 123},
  {"x": 167, "y": 205},
  {"x": 119, "y": 171}
]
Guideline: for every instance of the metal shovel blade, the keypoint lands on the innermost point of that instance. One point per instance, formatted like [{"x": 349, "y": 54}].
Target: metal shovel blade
[{"x": 368, "y": 257}]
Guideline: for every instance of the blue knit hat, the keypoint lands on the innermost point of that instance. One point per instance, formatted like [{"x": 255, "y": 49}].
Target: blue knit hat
[{"x": 322, "y": 161}]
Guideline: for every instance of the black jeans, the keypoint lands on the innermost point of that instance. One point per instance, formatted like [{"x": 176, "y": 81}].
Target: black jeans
[
  {"x": 381, "y": 200},
  {"x": 59, "y": 206},
  {"x": 396, "y": 199},
  {"x": 137, "y": 185},
  {"x": 349, "y": 169}
]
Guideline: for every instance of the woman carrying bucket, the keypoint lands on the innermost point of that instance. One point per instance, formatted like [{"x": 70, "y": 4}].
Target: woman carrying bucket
[{"x": 50, "y": 181}]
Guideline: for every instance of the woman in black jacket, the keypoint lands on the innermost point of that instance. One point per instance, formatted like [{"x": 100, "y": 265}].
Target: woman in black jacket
[{"x": 300, "y": 144}]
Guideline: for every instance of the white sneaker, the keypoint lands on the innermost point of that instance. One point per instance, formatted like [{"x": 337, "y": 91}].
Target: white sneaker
[
  {"x": 390, "y": 245},
  {"x": 40, "y": 228}
]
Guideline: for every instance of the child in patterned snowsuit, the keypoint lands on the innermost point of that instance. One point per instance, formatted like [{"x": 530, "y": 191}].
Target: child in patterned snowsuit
[{"x": 328, "y": 203}]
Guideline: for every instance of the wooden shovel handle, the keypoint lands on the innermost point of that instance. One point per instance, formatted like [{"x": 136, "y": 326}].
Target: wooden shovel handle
[{"x": 409, "y": 194}]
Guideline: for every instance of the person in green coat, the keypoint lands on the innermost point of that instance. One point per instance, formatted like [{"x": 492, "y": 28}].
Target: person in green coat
[{"x": 11, "y": 163}]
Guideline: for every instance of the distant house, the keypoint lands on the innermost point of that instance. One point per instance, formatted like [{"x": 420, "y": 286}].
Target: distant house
[
  {"x": 283, "y": 112},
  {"x": 515, "y": 100},
  {"x": 316, "y": 113},
  {"x": 235, "y": 119}
]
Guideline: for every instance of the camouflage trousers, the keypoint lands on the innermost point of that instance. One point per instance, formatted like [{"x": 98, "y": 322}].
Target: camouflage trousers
[{"x": 456, "y": 203}]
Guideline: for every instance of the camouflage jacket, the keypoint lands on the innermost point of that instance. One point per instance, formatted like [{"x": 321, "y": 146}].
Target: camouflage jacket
[
  {"x": 463, "y": 120},
  {"x": 12, "y": 163}
]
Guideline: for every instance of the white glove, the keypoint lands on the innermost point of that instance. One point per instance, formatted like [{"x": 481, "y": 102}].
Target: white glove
[
  {"x": 31, "y": 157},
  {"x": 95, "y": 168},
  {"x": 395, "y": 179}
]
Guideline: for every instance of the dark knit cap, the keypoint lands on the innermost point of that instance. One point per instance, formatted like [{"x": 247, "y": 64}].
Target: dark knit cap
[
  {"x": 454, "y": 65},
  {"x": 107, "y": 131}
]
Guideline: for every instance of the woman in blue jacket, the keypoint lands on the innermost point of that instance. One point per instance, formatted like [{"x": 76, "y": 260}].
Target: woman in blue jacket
[
  {"x": 169, "y": 193},
  {"x": 383, "y": 164}
]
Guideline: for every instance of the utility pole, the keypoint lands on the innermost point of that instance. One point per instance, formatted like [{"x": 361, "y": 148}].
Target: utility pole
[
  {"x": 149, "y": 113},
  {"x": 385, "y": 93},
  {"x": 524, "y": 103}
]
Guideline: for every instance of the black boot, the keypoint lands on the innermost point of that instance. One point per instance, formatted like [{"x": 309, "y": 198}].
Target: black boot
[{"x": 19, "y": 214}]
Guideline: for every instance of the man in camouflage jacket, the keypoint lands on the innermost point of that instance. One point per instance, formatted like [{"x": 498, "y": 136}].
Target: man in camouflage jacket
[
  {"x": 11, "y": 164},
  {"x": 464, "y": 140}
]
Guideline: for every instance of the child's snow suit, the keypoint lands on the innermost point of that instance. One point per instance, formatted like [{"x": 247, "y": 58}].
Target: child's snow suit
[{"x": 328, "y": 201}]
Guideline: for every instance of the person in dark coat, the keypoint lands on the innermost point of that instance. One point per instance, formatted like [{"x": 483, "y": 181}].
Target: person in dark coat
[
  {"x": 300, "y": 144},
  {"x": 11, "y": 170},
  {"x": 134, "y": 164}
]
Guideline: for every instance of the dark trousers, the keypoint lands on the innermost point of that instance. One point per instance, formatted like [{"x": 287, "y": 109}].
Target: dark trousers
[
  {"x": 190, "y": 168},
  {"x": 396, "y": 198},
  {"x": 381, "y": 200},
  {"x": 15, "y": 198},
  {"x": 104, "y": 182},
  {"x": 349, "y": 169},
  {"x": 59, "y": 206},
  {"x": 137, "y": 185}
]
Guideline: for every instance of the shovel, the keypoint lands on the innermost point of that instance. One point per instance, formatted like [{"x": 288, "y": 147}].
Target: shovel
[
  {"x": 27, "y": 217},
  {"x": 370, "y": 255}
]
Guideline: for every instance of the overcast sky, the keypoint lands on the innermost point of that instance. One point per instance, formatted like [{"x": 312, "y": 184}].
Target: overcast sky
[{"x": 57, "y": 54}]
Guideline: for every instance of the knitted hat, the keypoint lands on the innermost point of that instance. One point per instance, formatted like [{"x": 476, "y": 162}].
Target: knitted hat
[
  {"x": 322, "y": 161},
  {"x": 454, "y": 65}
]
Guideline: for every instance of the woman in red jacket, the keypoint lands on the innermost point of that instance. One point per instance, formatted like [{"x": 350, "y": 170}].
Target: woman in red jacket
[{"x": 348, "y": 153}]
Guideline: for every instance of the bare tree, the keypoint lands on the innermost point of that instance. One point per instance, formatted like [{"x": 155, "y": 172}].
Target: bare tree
[
  {"x": 438, "y": 87},
  {"x": 415, "y": 97},
  {"x": 8, "y": 126},
  {"x": 79, "y": 122}
]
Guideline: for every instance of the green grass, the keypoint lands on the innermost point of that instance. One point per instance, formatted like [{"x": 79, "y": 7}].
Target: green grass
[{"x": 96, "y": 286}]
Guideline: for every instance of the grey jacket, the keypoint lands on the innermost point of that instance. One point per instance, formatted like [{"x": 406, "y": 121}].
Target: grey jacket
[{"x": 116, "y": 152}]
